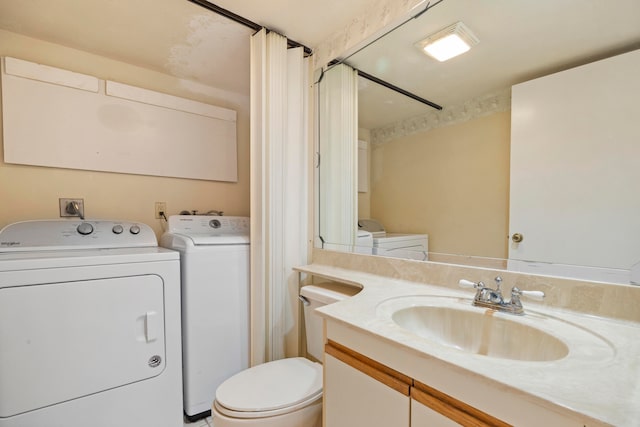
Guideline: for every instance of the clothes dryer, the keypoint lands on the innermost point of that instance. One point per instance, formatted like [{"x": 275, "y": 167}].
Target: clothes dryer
[
  {"x": 89, "y": 326},
  {"x": 215, "y": 303}
]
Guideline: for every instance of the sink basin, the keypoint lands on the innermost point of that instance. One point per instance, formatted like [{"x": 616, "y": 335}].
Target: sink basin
[
  {"x": 452, "y": 323},
  {"x": 481, "y": 333}
]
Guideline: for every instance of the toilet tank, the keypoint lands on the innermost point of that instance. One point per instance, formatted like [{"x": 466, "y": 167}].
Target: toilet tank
[{"x": 319, "y": 295}]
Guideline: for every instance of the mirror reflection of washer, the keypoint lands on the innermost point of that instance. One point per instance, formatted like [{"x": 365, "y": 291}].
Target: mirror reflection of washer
[
  {"x": 214, "y": 254},
  {"x": 396, "y": 245},
  {"x": 92, "y": 317}
]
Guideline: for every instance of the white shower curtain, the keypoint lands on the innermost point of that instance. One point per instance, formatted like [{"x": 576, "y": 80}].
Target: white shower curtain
[
  {"x": 279, "y": 193},
  {"x": 338, "y": 128}
]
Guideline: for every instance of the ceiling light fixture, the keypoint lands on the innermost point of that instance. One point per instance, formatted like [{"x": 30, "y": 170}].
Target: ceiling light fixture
[{"x": 448, "y": 42}]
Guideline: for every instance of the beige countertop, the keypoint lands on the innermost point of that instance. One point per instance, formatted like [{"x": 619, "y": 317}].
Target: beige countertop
[{"x": 599, "y": 379}]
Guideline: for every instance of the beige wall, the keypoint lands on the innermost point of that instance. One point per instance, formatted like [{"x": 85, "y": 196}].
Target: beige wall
[
  {"x": 28, "y": 192},
  {"x": 451, "y": 183}
]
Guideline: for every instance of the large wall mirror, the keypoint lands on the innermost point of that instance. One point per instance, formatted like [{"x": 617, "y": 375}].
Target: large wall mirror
[{"x": 454, "y": 174}]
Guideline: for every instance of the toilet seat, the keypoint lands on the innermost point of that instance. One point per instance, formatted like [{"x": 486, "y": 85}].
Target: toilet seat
[
  {"x": 265, "y": 414},
  {"x": 270, "y": 389}
]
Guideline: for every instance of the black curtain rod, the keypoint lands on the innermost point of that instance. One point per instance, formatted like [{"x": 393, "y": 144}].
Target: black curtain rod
[
  {"x": 244, "y": 21},
  {"x": 398, "y": 89},
  {"x": 385, "y": 84}
]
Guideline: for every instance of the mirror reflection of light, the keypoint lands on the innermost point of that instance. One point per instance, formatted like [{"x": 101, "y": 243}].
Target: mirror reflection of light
[
  {"x": 447, "y": 48},
  {"x": 449, "y": 42}
]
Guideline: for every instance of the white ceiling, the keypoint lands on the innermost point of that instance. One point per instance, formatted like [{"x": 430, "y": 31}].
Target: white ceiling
[
  {"x": 182, "y": 39},
  {"x": 309, "y": 22},
  {"x": 171, "y": 36},
  {"x": 519, "y": 40},
  {"x": 176, "y": 36}
]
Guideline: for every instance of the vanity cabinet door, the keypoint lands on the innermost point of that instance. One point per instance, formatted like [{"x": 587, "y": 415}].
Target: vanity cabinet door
[
  {"x": 423, "y": 416},
  {"x": 357, "y": 394},
  {"x": 432, "y": 408}
]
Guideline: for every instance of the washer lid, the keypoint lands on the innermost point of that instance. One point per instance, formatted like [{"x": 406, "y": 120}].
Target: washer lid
[
  {"x": 404, "y": 239},
  {"x": 271, "y": 386},
  {"x": 219, "y": 239}
]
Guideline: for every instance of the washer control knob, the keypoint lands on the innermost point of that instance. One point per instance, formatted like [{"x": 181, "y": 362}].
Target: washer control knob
[
  {"x": 214, "y": 223},
  {"x": 117, "y": 229},
  {"x": 134, "y": 229},
  {"x": 85, "y": 228}
]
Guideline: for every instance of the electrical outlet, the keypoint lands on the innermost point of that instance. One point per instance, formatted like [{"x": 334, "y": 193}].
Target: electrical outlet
[
  {"x": 71, "y": 207},
  {"x": 161, "y": 207}
]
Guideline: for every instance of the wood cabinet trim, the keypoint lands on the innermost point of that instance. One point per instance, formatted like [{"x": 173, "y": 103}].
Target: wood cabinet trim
[
  {"x": 458, "y": 411},
  {"x": 376, "y": 370}
]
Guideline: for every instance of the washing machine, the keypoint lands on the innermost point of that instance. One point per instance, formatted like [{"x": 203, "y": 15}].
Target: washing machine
[
  {"x": 396, "y": 245},
  {"x": 215, "y": 303},
  {"x": 364, "y": 243},
  {"x": 89, "y": 326}
]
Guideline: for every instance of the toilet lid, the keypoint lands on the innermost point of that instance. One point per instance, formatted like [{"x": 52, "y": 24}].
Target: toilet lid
[{"x": 271, "y": 386}]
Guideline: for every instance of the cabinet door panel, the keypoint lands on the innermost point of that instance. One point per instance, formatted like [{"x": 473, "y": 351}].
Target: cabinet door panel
[
  {"x": 354, "y": 399},
  {"x": 421, "y": 416}
]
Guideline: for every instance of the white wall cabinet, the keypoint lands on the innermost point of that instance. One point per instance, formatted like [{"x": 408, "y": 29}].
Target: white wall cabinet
[
  {"x": 58, "y": 118},
  {"x": 363, "y": 166}
]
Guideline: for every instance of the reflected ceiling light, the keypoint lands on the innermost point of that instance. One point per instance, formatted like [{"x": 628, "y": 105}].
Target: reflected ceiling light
[{"x": 448, "y": 42}]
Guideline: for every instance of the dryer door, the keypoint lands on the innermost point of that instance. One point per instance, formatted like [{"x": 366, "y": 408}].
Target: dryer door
[{"x": 62, "y": 341}]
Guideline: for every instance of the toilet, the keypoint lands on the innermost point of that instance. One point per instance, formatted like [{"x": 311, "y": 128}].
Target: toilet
[{"x": 286, "y": 392}]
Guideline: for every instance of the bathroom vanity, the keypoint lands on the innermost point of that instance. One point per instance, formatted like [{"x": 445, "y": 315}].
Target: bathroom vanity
[{"x": 411, "y": 350}]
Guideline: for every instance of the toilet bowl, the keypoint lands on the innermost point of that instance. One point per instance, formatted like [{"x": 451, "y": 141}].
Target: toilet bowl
[{"x": 286, "y": 392}]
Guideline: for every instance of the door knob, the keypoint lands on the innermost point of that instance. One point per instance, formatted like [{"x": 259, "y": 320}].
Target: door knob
[{"x": 517, "y": 237}]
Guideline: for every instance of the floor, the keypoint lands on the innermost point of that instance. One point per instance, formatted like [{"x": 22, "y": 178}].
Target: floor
[{"x": 205, "y": 422}]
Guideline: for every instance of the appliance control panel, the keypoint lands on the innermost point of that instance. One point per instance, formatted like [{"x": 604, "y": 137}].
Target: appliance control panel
[
  {"x": 208, "y": 224},
  {"x": 75, "y": 234}
]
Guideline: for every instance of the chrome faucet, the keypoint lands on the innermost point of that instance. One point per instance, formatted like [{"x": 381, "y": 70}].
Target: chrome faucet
[{"x": 493, "y": 299}]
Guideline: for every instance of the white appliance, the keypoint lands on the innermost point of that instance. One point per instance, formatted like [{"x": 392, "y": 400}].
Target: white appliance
[
  {"x": 364, "y": 243},
  {"x": 215, "y": 302},
  {"x": 396, "y": 245},
  {"x": 89, "y": 326}
]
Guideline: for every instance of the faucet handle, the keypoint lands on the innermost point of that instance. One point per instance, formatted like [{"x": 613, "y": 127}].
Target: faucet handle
[
  {"x": 536, "y": 295},
  {"x": 463, "y": 283}
]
